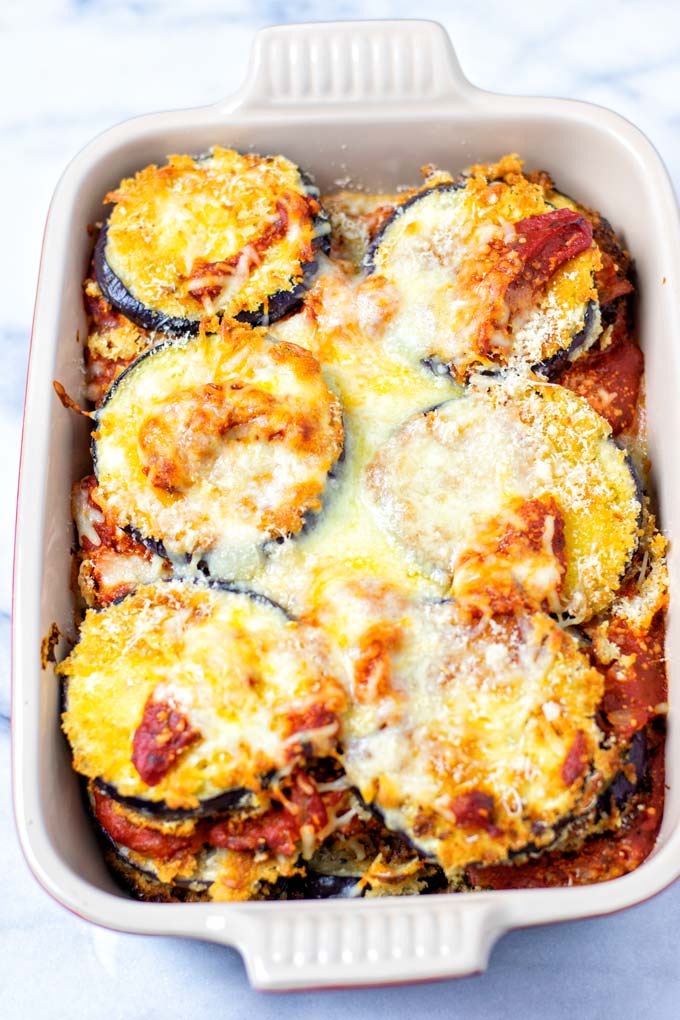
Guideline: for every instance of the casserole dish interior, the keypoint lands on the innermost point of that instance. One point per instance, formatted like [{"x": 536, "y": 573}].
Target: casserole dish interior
[{"x": 361, "y": 105}]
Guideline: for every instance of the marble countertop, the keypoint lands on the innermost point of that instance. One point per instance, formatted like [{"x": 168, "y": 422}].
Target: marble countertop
[{"x": 71, "y": 68}]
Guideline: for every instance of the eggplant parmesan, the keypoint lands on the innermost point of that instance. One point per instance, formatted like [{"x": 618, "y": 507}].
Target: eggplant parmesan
[
  {"x": 473, "y": 735},
  {"x": 484, "y": 273},
  {"x": 370, "y": 591},
  {"x": 227, "y": 234},
  {"x": 208, "y": 448},
  {"x": 181, "y": 694},
  {"x": 500, "y": 465}
]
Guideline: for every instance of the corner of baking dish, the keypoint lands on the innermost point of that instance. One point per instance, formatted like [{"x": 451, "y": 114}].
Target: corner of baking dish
[{"x": 397, "y": 72}]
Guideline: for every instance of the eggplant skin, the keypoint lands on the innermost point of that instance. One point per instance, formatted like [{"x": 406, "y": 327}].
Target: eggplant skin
[
  {"x": 640, "y": 495},
  {"x": 152, "y": 544},
  {"x": 142, "y": 885},
  {"x": 219, "y": 585},
  {"x": 152, "y": 319},
  {"x": 559, "y": 343},
  {"x": 315, "y": 886},
  {"x": 256, "y": 596},
  {"x": 286, "y": 301},
  {"x": 369, "y": 258},
  {"x": 120, "y": 298},
  {"x": 552, "y": 368},
  {"x": 236, "y": 799}
]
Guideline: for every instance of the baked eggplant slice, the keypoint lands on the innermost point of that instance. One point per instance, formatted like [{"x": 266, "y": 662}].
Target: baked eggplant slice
[
  {"x": 145, "y": 829},
  {"x": 552, "y": 367},
  {"x": 473, "y": 739},
  {"x": 367, "y": 859},
  {"x": 605, "y": 853},
  {"x": 485, "y": 274},
  {"x": 191, "y": 860},
  {"x": 225, "y": 234},
  {"x": 213, "y": 874},
  {"x": 183, "y": 693},
  {"x": 207, "y": 448},
  {"x": 237, "y": 799},
  {"x": 141, "y": 883},
  {"x": 226, "y": 875},
  {"x": 510, "y": 477}
]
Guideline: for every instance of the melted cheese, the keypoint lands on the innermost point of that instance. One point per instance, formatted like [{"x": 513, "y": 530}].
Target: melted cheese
[
  {"x": 492, "y": 708},
  {"x": 516, "y": 561},
  {"x": 443, "y": 704},
  {"x": 234, "y": 666},
  {"x": 444, "y": 474},
  {"x": 113, "y": 568},
  {"x": 215, "y": 445},
  {"x": 375, "y": 391},
  {"x": 188, "y": 239},
  {"x": 221, "y": 875},
  {"x": 438, "y": 257}
]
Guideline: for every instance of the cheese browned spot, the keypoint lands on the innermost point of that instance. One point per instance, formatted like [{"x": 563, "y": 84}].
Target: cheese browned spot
[
  {"x": 215, "y": 445},
  {"x": 233, "y": 667},
  {"x": 372, "y": 669},
  {"x": 513, "y": 561},
  {"x": 495, "y": 732},
  {"x": 221, "y": 234},
  {"x": 451, "y": 474}
]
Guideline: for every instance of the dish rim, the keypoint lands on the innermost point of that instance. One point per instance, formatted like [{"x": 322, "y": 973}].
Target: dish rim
[{"x": 473, "y": 921}]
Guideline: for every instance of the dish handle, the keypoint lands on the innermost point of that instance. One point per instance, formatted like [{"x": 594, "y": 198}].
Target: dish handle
[
  {"x": 352, "y": 63},
  {"x": 354, "y": 942}
]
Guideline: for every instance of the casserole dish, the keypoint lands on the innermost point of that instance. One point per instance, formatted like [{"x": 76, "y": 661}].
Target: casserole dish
[{"x": 368, "y": 101}]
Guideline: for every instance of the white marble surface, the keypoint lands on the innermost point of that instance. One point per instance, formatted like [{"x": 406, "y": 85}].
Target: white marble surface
[{"x": 71, "y": 69}]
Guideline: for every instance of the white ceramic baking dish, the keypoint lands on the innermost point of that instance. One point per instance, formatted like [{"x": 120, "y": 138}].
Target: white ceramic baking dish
[{"x": 368, "y": 102}]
